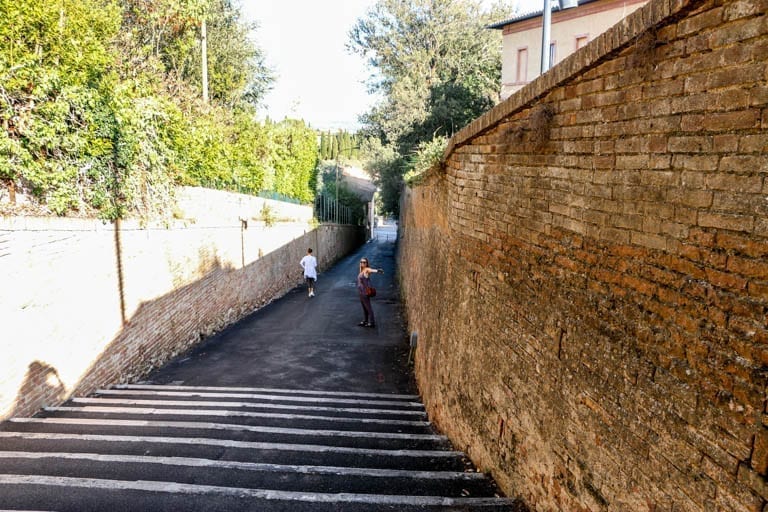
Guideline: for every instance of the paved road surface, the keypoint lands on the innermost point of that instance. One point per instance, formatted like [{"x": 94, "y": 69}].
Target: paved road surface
[
  {"x": 295, "y": 408},
  {"x": 312, "y": 343}
]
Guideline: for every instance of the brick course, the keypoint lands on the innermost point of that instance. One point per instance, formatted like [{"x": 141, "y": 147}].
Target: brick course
[{"x": 593, "y": 316}]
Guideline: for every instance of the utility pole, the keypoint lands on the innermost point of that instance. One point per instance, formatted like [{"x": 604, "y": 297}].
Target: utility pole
[
  {"x": 204, "y": 44},
  {"x": 545, "y": 35},
  {"x": 547, "y": 26}
]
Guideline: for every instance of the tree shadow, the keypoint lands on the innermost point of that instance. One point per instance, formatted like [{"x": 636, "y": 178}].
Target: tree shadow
[{"x": 168, "y": 325}]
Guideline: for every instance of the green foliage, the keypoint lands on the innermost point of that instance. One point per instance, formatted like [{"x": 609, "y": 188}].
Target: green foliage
[
  {"x": 100, "y": 107},
  {"x": 294, "y": 150},
  {"x": 346, "y": 197},
  {"x": 341, "y": 145},
  {"x": 55, "y": 81},
  {"x": 146, "y": 131},
  {"x": 437, "y": 68},
  {"x": 237, "y": 71},
  {"x": 388, "y": 167},
  {"x": 428, "y": 155},
  {"x": 267, "y": 215},
  {"x": 68, "y": 38},
  {"x": 225, "y": 150},
  {"x": 250, "y": 152}
]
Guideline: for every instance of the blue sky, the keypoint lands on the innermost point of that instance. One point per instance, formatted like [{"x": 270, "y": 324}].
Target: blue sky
[{"x": 304, "y": 42}]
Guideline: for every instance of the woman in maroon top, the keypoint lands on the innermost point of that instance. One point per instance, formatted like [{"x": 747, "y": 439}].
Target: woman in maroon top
[{"x": 364, "y": 282}]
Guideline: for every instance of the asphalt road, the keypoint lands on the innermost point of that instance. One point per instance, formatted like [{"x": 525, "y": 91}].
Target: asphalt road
[{"x": 298, "y": 342}]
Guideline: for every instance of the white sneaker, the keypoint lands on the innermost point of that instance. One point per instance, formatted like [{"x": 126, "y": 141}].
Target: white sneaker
[{"x": 311, "y": 294}]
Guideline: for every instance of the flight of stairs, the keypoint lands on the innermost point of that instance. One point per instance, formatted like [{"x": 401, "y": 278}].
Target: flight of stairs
[{"x": 150, "y": 447}]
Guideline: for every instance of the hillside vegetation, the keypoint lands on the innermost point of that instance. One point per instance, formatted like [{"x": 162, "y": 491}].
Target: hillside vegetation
[{"x": 102, "y": 113}]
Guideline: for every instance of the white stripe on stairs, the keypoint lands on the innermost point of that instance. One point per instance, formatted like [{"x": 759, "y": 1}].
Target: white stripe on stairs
[
  {"x": 255, "y": 396},
  {"x": 250, "y": 405},
  {"x": 313, "y": 392},
  {"x": 248, "y": 466},
  {"x": 229, "y": 426},
  {"x": 248, "y": 445},
  {"x": 245, "y": 493},
  {"x": 233, "y": 414}
]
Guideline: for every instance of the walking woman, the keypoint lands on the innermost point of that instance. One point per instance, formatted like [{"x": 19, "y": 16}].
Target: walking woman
[{"x": 364, "y": 290}]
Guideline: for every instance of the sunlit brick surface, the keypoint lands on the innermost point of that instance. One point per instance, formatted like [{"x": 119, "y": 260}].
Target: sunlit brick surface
[{"x": 588, "y": 274}]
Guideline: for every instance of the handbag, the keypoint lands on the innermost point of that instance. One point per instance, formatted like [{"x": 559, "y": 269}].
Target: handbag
[{"x": 370, "y": 291}]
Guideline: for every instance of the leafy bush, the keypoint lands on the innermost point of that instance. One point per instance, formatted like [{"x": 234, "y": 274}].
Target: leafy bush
[
  {"x": 100, "y": 107},
  {"x": 428, "y": 155},
  {"x": 294, "y": 158},
  {"x": 55, "y": 80}
]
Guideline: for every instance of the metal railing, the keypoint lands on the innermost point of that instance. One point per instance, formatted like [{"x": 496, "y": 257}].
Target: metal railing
[{"x": 327, "y": 209}]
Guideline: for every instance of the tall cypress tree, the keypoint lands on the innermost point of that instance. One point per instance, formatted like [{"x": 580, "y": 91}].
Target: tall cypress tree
[
  {"x": 334, "y": 148},
  {"x": 346, "y": 144},
  {"x": 324, "y": 153}
]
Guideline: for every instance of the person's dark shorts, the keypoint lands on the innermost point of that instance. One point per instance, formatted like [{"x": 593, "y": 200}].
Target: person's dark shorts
[{"x": 310, "y": 281}]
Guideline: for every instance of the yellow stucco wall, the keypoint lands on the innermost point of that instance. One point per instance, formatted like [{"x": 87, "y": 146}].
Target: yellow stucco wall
[{"x": 588, "y": 20}]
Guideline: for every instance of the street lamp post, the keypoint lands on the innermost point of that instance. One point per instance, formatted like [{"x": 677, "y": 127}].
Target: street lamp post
[
  {"x": 204, "y": 45},
  {"x": 545, "y": 35},
  {"x": 546, "y": 29}
]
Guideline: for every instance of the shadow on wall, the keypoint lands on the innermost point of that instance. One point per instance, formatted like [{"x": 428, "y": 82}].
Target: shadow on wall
[
  {"x": 167, "y": 326},
  {"x": 41, "y": 381},
  {"x": 162, "y": 328}
]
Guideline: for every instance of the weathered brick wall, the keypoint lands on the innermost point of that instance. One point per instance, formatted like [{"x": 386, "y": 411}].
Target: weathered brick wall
[
  {"x": 588, "y": 273},
  {"x": 83, "y": 305}
]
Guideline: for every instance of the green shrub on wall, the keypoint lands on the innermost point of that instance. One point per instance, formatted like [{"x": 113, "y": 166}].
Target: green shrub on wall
[
  {"x": 100, "y": 110},
  {"x": 428, "y": 155},
  {"x": 294, "y": 157},
  {"x": 55, "y": 88}
]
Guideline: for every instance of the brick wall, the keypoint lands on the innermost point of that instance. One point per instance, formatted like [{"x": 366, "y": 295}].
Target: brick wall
[
  {"x": 85, "y": 305},
  {"x": 588, "y": 272}
]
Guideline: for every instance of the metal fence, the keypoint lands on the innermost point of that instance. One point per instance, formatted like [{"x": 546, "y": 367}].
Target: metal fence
[
  {"x": 277, "y": 196},
  {"x": 328, "y": 209}
]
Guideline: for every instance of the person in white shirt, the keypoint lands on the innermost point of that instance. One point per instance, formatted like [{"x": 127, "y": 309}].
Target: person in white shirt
[{"x": 309, "y": 264}]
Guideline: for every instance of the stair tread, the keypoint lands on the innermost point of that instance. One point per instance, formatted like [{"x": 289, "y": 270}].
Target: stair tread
[
  {"x": 198, "y": 448},
  {"x": 243, "y": 492}
]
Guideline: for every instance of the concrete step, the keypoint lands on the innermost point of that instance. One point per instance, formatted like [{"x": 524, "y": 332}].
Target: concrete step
[
  {"x": 149, "y": 447},
  {"x": 233, "y": 431},
  {"x": 246, "y": 474},
  {"x": 357, "y": 400},
  {"x": 76, "y": 495},
  {"x": 256, "y": 407},
  {"x": 274, "y": 453},
  {"x": 266, "y": 419},
  {"x": 271, "y": 391}
]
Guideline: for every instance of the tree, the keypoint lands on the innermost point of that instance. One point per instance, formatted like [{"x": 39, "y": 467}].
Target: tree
[
  {"x": 419, "y": 47},
  {"x": 294, "y": 159},
  {"x": 237, "y": 68},
  {"x": 346, "y": 197},
  {"x": 334, "y": 148},
  {"x": 56, "y": 85},
  {"x": 324, "y": 148},
  {"x": 101, "y": 113},
  {"x": 169, "y": 31},
  {"x": 436, "y": 66}
]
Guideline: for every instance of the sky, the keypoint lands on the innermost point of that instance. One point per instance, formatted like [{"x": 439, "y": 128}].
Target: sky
[{"x": 304, "y": 43}]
